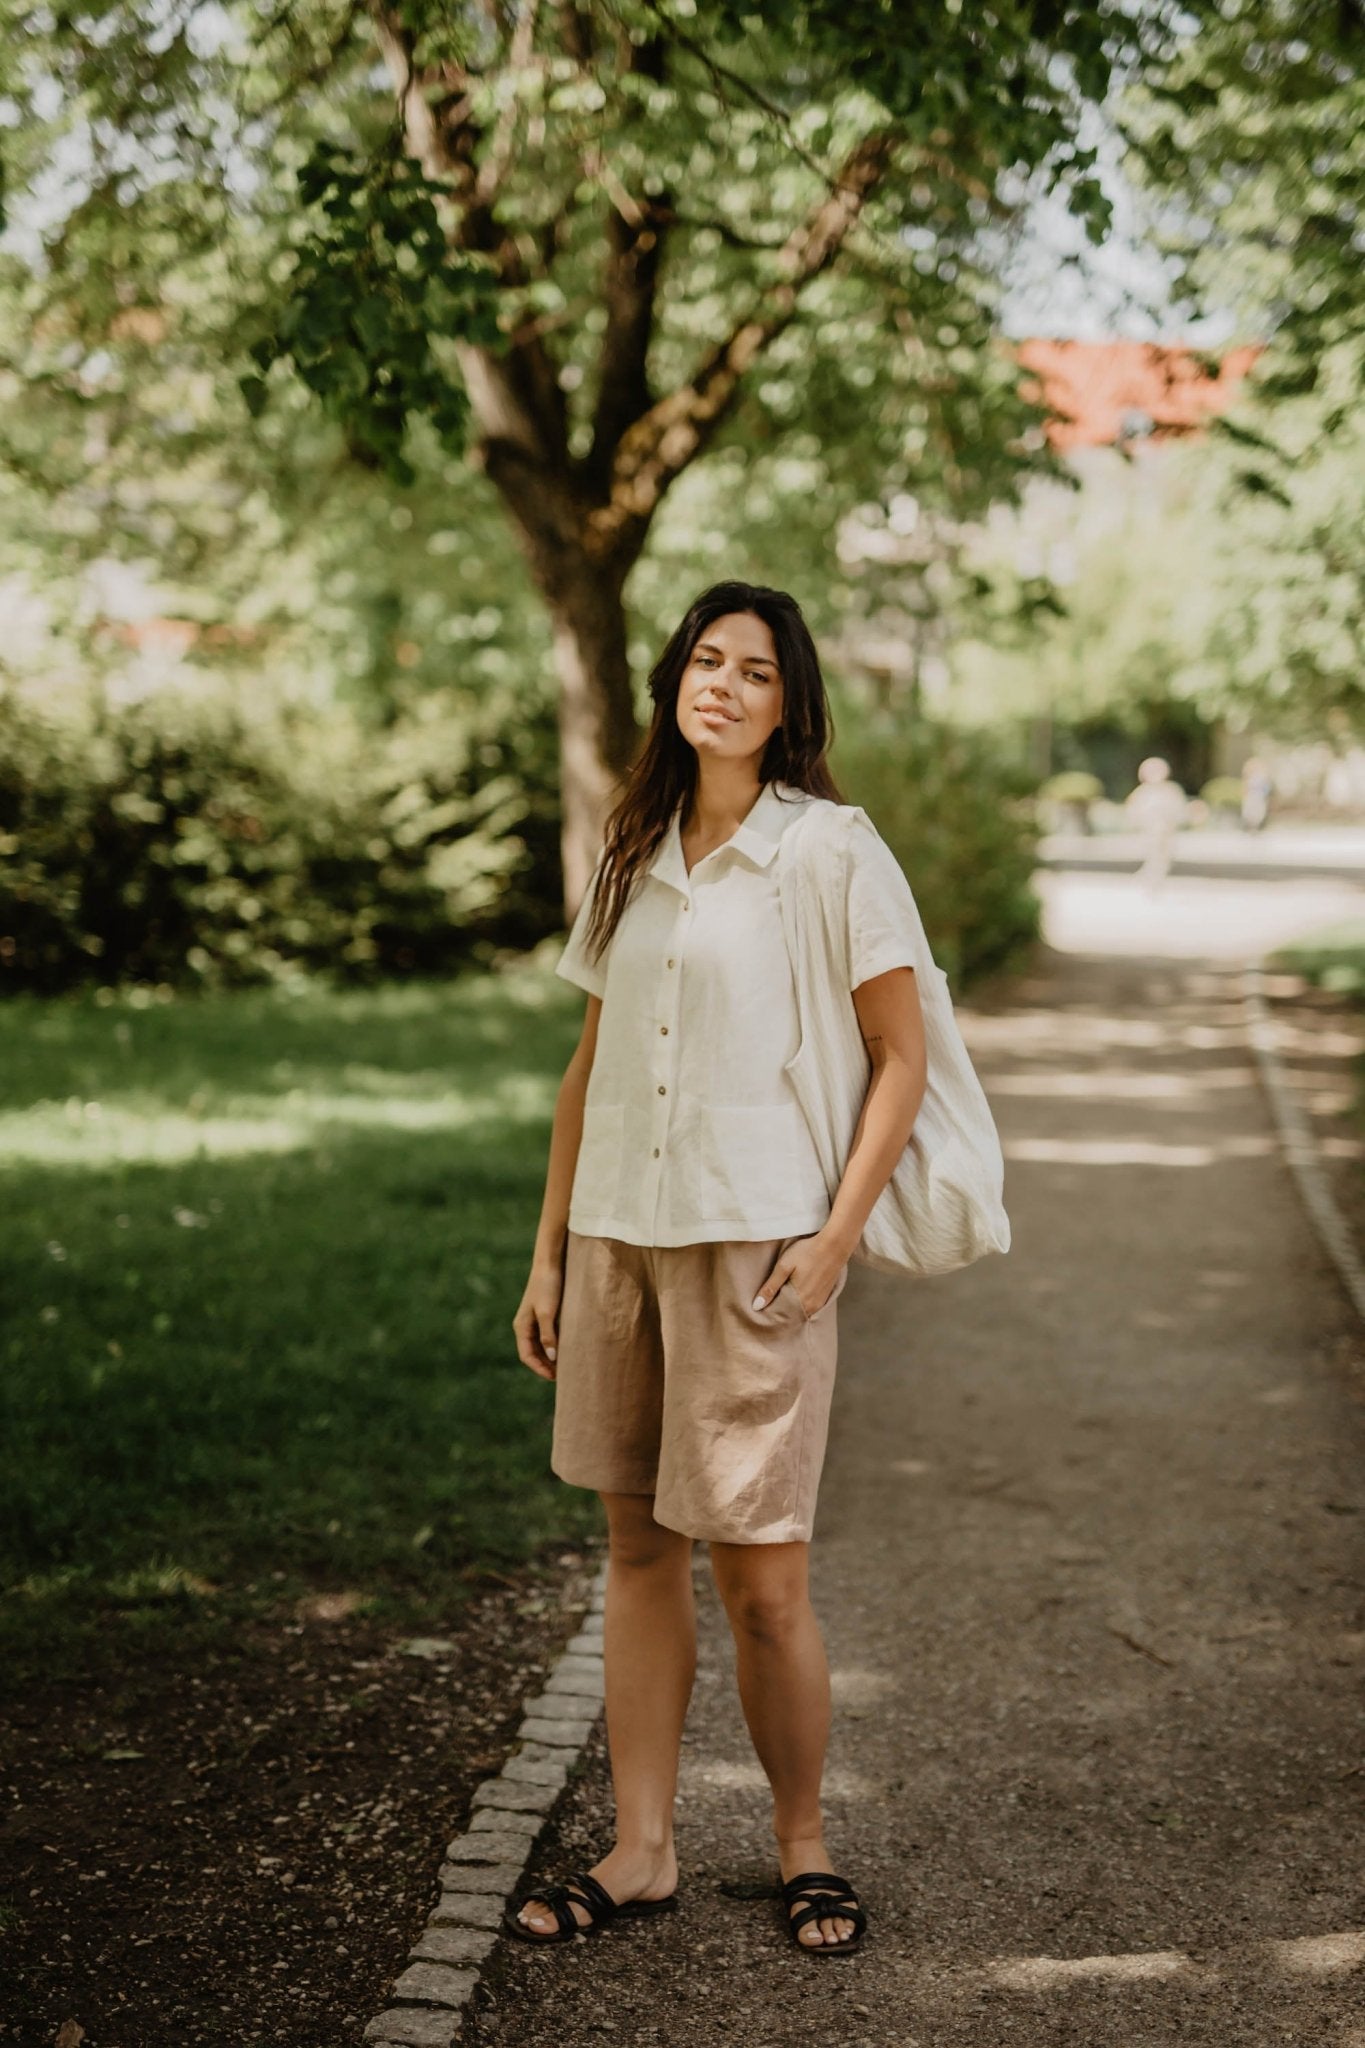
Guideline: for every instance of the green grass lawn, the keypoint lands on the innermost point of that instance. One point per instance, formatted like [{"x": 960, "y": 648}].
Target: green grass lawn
[{"x": 260, "y": 1258}]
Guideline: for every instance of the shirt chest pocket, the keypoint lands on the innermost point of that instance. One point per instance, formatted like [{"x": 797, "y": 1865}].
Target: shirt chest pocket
[{"x": 749, "y": 1162}]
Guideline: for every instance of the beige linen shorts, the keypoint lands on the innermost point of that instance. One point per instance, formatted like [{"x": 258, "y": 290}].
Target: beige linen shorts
[{"x": 669, "y": 1381}]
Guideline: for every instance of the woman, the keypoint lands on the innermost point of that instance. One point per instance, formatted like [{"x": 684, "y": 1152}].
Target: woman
[{"x": 684, "y": 1282}]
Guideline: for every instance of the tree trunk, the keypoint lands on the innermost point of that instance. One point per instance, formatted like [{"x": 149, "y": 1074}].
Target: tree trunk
[{"x": 598, "y": 733}]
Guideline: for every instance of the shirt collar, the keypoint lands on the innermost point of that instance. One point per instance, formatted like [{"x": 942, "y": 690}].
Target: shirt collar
[{"x": 757, "y": 836}]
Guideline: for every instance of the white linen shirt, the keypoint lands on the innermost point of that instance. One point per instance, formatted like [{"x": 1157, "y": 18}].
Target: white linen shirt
[{"x": 692, "y": 1129}]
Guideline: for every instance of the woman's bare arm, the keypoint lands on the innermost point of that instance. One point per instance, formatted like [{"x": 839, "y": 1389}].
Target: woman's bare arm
[
  {"x": 892, "y": 1025},
  {"x": 536, "y": 1320},
  {"x": 565, "y": 1139}
]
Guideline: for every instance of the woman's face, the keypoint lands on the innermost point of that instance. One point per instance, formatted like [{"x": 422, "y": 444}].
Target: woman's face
[{"x": 730, "y": 697}]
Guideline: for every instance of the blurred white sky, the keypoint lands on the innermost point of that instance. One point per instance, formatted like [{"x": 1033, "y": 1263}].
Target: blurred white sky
[{"x": 1062, "y": 288}]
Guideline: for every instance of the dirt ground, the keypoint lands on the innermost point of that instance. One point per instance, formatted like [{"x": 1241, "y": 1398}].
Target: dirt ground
[{"x": 244, "y": 1852}]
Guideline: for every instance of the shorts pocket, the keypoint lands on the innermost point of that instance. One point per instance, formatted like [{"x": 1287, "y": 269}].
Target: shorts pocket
[
  {"x": 597, "y": 1175},
  {"x": 748, "y": 1160}
]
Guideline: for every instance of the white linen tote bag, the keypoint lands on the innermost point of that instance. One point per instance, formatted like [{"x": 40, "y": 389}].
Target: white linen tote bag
[{"x": 943, "y": 1206}]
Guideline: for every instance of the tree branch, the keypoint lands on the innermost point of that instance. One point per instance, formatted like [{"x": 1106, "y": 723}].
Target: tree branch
[
  {"x": 515, "y": 394},
  {"x": 576, "y": 29},
  {"x": 728, "y": 234},
  {"x": 659, "y": 445},
  {"x": 722, "y": 74},
  {"x": 493, "y": 169},
  {"x": 635, "y": 231}
]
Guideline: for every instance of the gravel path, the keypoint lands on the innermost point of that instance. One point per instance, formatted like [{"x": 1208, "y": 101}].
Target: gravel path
[{"x": 1090, "y": 1565}]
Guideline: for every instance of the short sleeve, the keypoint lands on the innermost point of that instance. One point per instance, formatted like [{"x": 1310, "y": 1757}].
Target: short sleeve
[
  {"x": 574, "y": 963},
  {"x": 885, "y": 929}
]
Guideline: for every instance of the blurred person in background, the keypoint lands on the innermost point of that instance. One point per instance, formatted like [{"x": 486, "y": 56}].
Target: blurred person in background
[
  {"x": 1157, "y": 808},
  {"x": 1257, "y": 786}
]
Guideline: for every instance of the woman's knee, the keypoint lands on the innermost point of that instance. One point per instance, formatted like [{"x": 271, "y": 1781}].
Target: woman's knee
[{"x": 764, "y": 1587}]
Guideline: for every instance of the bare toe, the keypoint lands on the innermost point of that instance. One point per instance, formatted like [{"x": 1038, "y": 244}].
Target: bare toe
[{"x": 536, "y": 1915}]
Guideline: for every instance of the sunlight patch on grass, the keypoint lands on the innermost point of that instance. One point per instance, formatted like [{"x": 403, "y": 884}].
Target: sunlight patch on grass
[
  {"x": 94, "y": 1134},
  {"x": 157, "y": 1580}
]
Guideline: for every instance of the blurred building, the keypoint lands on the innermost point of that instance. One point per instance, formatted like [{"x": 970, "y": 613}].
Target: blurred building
[{"x": 1108, "y": 394}]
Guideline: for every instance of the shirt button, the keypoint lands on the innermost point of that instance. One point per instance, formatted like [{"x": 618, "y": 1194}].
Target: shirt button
[
  {"x": 662, "y": 1089},
  {"x": 663, "y": 1031},
  {"x": 656, "y": 1151},
  {"x": 670, "y": 963}
]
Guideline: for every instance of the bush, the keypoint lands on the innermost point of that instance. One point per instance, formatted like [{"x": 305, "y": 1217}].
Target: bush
[
  {"x": 1223, "y": 793},
  {"x": 961, "y": 821},
  {"x": 197, "y": 840},
  {"x": 1073, "y": 786}
]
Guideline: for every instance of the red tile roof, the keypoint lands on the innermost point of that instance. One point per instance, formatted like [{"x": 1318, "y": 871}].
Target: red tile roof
[{"x": 1100, "y": 390}]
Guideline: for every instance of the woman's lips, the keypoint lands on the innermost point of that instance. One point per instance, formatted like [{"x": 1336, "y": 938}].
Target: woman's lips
[{"x": 711, "y": 711}]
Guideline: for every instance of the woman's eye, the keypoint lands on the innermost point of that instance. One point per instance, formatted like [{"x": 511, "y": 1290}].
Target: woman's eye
[{"x": 753, "y": 675}]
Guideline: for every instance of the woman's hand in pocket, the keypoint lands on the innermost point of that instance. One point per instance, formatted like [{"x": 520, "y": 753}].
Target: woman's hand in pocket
[{"x": 813, "y": 1265}]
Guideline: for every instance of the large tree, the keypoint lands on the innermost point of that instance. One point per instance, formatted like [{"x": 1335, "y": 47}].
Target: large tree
[{"x": 582, "y": 240}]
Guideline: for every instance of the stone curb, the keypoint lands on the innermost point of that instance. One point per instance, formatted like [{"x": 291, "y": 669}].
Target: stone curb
[
  {"x": 483, "y": 1866},
  {"x": 1298, "y": 1141}
]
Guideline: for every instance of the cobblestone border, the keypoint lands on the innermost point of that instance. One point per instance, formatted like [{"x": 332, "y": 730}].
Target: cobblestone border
[
  {"x": 1298, "y": 1141},
  {"x": 484, "y": 1865}
]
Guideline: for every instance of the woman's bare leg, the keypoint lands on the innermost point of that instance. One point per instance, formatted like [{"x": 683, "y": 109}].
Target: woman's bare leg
[
  {"x": 783, "y": 1677},
  {"x": 649, "y": 1650}
]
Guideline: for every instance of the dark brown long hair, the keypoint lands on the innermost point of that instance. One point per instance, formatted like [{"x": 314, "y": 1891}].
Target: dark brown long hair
[{"x": 665, "y": 770}]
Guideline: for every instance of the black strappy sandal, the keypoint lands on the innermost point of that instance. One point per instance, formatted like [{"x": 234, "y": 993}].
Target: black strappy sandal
[
  {"x": 584, "y": 1889},
  {"x": 829, "y": 1898}
]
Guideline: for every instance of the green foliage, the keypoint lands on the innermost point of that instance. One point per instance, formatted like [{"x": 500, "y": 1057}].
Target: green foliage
[
  {"x": 261, "y": 211},
  {"x": 1073, "y": 786},
  {"x": 371, "y": 290},
  {"x": 1222, "y": 793},
  {"x": 994, "y": 91},
  {"x": 1333, "y": 957},
  {"x": 178, "y": 840},
  {"x": 1172, "y": 583},
  {"x": 1255, "y": 139},
  {"x": 1255, "y": 144},
  {"x": 1291, "y": 636},
  {"x": 961, "y": 821},
  {"x": 624, "y": 176}
]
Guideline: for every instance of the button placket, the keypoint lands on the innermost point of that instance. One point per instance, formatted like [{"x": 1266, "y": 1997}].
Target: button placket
[{"x": 666, "y": 1018}]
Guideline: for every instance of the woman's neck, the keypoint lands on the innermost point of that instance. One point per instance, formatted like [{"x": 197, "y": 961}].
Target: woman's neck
[{"x": 720, "y": 801}]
